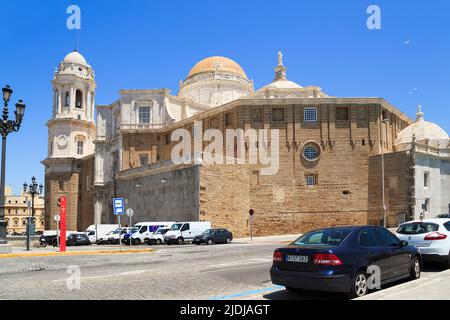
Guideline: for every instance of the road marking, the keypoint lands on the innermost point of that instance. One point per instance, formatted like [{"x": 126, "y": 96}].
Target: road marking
[
  {"x": 126, "y": 273},
  {"x": 247, "y": 293}
]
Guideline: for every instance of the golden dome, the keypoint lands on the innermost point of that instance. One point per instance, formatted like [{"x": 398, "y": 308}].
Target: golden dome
[{"x": 212, "y": 64}]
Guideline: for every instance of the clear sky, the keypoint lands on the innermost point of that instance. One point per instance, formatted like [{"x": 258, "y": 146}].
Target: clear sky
[{"x": 143, "y": 44}]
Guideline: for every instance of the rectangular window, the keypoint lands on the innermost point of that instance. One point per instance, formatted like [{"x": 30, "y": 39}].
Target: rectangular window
[
  {"x": 310, "y": 114},
  {"x": 228, "y": 119},
  {"x": 257, "y": 115},
  {"x": 143, "y": 159},
  {"x": 427, "y": 205},
  {"x": 278, "y": 114},
  {"x": 144, "y": 115},
  {"x": 80, "y": 146},
  {"x": 311, "y": 180},
  {"x": 61, "y": 185},
  {"x": 426, "y": 179},
  {"x": 342, "y": 114},
  {"x": 167, "y": 138}
]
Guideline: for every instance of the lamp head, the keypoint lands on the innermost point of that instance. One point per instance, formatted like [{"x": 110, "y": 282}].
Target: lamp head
[
  {"x": 20, "y": 108},
  {"x": 7, "y": 92}
]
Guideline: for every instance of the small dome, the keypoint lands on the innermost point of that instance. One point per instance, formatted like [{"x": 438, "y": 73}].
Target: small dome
[
  {"x": 421, "y": 130},
  {"x": 75, "y": 57},
  {"x": 282, "y": 84},
  {"x": 213, "y": 64}
]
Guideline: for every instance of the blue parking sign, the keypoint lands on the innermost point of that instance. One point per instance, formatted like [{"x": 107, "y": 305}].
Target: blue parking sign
[{"x": 118, "y": 205}]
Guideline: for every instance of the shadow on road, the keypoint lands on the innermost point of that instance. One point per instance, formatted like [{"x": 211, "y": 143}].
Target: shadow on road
[
  {"x": 311, "y": 295},
  {"x": 304, "y": 295}
]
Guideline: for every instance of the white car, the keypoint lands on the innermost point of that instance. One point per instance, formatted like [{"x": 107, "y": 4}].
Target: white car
[
  {"x": 158, "y": 236},
  {"x": 113, "y": 238},
  {"x": 430, "y": 236}
]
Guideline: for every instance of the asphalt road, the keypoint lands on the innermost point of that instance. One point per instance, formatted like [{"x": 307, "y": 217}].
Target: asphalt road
[{"x": 236, "y": 271}]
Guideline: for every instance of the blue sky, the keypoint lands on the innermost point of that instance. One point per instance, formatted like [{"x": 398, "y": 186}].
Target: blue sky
[{"x": 152, "y": 44}]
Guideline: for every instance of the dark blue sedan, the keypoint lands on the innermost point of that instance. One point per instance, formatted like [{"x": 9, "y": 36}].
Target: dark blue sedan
[{"x": 351, "y": 260}]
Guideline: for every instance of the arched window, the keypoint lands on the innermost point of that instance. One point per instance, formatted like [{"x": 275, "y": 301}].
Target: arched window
[
  {"x": 67, "y": 99},
  {"x": 78, "y": 99}
]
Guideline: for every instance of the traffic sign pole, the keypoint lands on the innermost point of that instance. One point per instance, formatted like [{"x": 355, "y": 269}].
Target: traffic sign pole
[
  {"x": 120, "y": 234},
  {"x": 118, "y": 207},
  {"x": 251, "y": 212}
]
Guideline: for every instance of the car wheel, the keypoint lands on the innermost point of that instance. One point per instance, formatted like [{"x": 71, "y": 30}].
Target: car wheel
[
  {"x": 228, "y": 240},
  {"x": 137, "y": 242},
  {"x": 416, "y": 269},
  {"x": 210, "y": 242},
  {"x": 359, "y": 285},
  {"x": 158, "y": 241},
  {"x": 180, "y": 240}
]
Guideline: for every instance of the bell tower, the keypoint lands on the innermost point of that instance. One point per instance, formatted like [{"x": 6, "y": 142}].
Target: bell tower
[
  {"x": 71, "y": 135},
  {"x": 72, "y": 127}
]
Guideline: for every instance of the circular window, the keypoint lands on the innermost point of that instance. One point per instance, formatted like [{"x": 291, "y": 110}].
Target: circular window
[{"x": 311, "y": 152}]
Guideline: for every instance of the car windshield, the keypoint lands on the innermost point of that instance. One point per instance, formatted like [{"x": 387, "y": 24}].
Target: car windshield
[
  {"x": 329, "y": 237},
  {"x": 417, "y": 228},
  {"x": 209, "y": 231},
  {"x": 176, "y": 227},
  {"x": 444, "y": 216},
  {"x": 135, "y": 229}
]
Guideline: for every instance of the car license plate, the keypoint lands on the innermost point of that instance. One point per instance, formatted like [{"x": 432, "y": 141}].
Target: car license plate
[{"x": 301, "y": 259}]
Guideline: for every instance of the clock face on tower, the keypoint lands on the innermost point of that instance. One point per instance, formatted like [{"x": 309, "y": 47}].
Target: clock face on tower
[{"x": 61, "y": 142}]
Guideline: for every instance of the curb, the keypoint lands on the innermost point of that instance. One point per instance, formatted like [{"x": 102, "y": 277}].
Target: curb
[{"x": 73, "y": 253}]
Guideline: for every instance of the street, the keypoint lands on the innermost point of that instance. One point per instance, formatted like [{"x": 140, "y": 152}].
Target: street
[{"x": 219, "y": 272}]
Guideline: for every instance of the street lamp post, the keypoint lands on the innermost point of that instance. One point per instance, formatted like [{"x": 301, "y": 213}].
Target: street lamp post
[
  {"x": 33, "y": 190},
  {"x": 386, "y": 121},
  {"x": 6, "y": 127}
]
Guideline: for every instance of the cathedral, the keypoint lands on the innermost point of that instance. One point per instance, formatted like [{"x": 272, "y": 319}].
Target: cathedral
[{"x": 332, "y": 154}]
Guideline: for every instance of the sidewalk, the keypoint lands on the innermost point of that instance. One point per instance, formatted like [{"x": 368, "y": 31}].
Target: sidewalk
[
  {"x": 280, "y": 239},
  {"x": 436, "y": 287}
]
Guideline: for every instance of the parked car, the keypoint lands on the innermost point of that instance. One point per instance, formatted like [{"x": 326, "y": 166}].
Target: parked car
[
  {"x": 142, "y": 231},
  {"x": 78, "y": 239},
  {"x": 182, "y": 232},
  {"x": 212, "y": 236},
  {"x": 105, "y": 238},
  {"x": 157, "y": 237},
  {"x": 443, "y": 216},
  {"x": 113, "y": 238},
  {"x": 337, "y": 260},
  {"x": 430, "y": 236}
]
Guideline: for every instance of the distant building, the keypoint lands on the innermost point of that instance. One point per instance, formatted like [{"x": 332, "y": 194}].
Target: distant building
[
  {"x": 417, "y": 182},
  {"x": 16, "y": 211},
  {"x": 329, "y": 154}
]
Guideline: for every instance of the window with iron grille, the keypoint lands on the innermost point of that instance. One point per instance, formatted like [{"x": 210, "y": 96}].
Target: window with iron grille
[
  {"x": 310, "y": 114},
  {"x": 311, "y": 180},
  {"x": 311, "y": 152},
  {"x": 80, "y": 147},
  {"x": 144, "y": 115},
  {"x": 143, "y": 159}
]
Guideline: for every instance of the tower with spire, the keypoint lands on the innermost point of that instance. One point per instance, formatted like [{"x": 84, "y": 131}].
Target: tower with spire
[{"x": 71, "y": 135}]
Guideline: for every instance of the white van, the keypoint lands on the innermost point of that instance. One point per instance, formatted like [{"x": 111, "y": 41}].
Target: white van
[
  {"x": 143, "y": 230},
  {"x": 97, "y": 231},
  {"x": 182, "y": 232}
]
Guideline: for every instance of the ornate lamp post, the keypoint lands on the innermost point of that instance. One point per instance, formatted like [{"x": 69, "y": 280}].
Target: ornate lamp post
[
  {"x": 6, "y": 127},
  {"x": 33, "y": 190}
]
